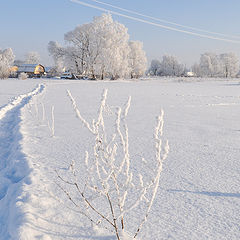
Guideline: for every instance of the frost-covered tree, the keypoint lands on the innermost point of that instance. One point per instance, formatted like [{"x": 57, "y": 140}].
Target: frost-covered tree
[
  {"x": 229, "y": 64},
  {"x": 112, "y": 37},
  {"x": 137, "y": 59},
  {"x": 196, "y": 69},
  {"x": 97, "y": 49},
  {"x": 56, "y": 70},
  {"x": 76, "y": 54},
  {"x": 55, "y": 50},
  {"x": 213, "y": 65},
  {"x": 209, "y": 65},
  {"x": 32, "y": 58},
  {"x": 154, "y": 67},
  {"x": 57, "y": 53},
  {"x": 6, "y": 61},
  {"x": 170, "y": 66}
]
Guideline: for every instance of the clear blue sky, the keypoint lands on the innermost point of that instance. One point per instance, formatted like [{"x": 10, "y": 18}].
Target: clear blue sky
[{"x": 28, "y": 25}]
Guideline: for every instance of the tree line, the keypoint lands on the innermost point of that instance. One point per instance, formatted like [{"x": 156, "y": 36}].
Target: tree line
[
  {"x": 102, "y": 49},
  {"x": 210, "y": 65}
]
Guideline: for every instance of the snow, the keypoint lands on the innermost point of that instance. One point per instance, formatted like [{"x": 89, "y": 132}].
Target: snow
[
  {"x": 14, "y": 169},
  {"x": 198, "y": 195},
  {"x": 10, "y": 88}
]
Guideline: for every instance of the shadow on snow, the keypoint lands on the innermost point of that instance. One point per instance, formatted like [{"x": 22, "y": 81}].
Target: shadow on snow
[{"x": 210, "y": 194}]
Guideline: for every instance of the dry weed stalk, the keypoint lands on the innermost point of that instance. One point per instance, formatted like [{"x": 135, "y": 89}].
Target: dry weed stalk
[{"x": 109, "y": 174}]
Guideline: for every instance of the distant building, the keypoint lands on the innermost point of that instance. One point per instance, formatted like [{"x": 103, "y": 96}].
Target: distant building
[
  {"x": 190, "y": 74},
  {"x": 32, "y": 70}
]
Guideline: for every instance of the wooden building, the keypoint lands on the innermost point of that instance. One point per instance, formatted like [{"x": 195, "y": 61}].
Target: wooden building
[{"x": 32, "y": 70}]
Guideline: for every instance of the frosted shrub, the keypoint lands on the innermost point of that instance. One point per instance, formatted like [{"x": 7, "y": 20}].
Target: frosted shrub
[
  {"x": 52, "y": 126},
  {"x": 112, "y": 190},
  {"x": 6, "y": 61},
  {"x": 4, "y": 70},
  {"x": 22, "y": 76}
]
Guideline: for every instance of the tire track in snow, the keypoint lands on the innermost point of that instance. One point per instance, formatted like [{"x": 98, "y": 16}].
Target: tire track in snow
[{"x": 13, "y": 165}]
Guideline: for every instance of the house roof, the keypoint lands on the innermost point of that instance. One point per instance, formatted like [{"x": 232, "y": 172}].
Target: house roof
[{"x": 27, "y": 67}]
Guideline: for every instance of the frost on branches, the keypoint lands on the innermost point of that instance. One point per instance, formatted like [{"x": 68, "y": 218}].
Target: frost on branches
[
  {"x": 137, "y": 59},
  {"x": 213, "y": 65},
  {"x": 6, "y": 61},
  {"x": 112, "y": 189},
  {"x": 100, "y": 49},
  {"x": 169, "y": 66},
  {"x": 32, "y": 58}
]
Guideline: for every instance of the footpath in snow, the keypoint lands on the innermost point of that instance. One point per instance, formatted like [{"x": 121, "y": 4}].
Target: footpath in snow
[{"x": 14, "y": 168}]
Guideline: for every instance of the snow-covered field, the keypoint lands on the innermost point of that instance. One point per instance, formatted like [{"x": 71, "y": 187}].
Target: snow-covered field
[{"x": 199, "y": 195}]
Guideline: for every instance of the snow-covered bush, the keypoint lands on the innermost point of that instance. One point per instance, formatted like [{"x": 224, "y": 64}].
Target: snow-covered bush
[
  {"x": 23, "y": 76},
  {"x": 6, "y": 61},
  {"x": 112, "y": 188}
]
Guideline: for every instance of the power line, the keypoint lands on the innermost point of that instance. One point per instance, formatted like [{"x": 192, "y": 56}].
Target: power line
[
  {"x": 155, "y": 24},
  {"x": 165, "y": 21}
]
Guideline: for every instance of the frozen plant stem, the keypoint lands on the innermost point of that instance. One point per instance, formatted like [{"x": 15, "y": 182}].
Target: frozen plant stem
[
  {"x": 53, "y": 122},
  {"x": 109, "y": 172},
  {"x": 43, "y": 112},
  {"x": 36, "y": 108},
  {"x": 160, "y": 158}
]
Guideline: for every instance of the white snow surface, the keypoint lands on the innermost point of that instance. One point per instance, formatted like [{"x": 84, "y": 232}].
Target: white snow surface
[{"x": 199, "y": 195}]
